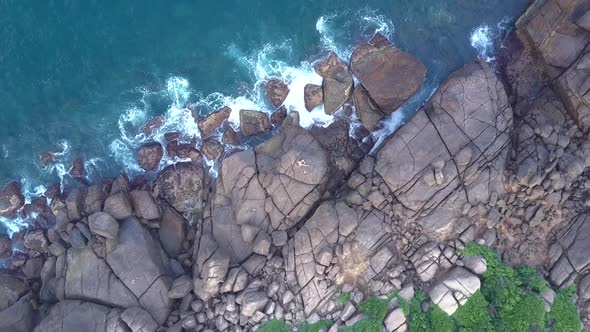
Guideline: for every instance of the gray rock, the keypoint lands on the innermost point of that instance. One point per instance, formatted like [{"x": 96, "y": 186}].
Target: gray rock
[
  {"x": 19, "y": 317},
  {"x": 11, "y": 290},
  {"x": 75, "y": 204},
  {"x": 252, "y": 302},
  {"x": 103, "y": 224},
  {"x": 172, "y": 231},
  {"x": 118, "y": 206},
  {"x": 36, "y": 240},
  {"x": 144, "y": 204},
  {"x": 181, "y": 185},
  {"x": 94, "y": 200},
  {"x": 180, "y": 287},
  {"x": 139, "y": 320},
  {"x": 395, "y": 319},
  {"x": 76, "y": 316}
]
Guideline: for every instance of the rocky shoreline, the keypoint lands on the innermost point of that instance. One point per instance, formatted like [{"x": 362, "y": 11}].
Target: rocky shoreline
[{"x": 498, "y": 156}]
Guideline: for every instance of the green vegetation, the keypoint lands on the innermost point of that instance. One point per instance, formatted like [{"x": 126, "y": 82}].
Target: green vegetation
[
  {"x": 322, "y": 325},
  {"x": 274, "y": 325},
  {"x": 343, "y": 298},
  {"x": 375, "y": 310},
  {"x": 564, "y": 313},
  {"x": 509, "y": 300}
]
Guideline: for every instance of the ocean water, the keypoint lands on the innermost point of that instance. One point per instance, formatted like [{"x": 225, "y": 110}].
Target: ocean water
[{"x": 80, "y": 78}]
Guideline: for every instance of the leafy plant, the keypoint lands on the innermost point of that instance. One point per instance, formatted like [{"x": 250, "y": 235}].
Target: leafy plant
[
  {"x": 315, "y": 327},
  {"x": 343, "y": 298},
  {"x": 375, "y": 310},
  {"x": 475, "y": 315},
  {"x": 564, "y": 316},
  {"x": 274, "y": 325}
]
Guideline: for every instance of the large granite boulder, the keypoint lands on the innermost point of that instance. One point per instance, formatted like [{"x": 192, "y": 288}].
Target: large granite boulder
[
  {"x": 557, "y": 33},
  {"x": 172, "y": 231},
  {"x": 11, "y": 199},
  {"x": 254, "y": 122},
  {"x": 11, "y": 290},
  {"x": 337, "y": 83},
  {"x": 142, "y": 265},
  {"x": 276, "y": 92},
  {"x": 89, "y": 278},
  {"x": 76, "y": 316},
  {"x": 19, "y": 317},
  {"x": 452, "y": 152},
  {"x": 181, "y": 185},
  {"x": 390, "y": 75}
]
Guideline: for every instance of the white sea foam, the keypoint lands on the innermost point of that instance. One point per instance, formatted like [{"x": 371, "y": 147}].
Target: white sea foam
[
  {"x": 484, "y": 38},
  {"x": 4, "y": 151}
]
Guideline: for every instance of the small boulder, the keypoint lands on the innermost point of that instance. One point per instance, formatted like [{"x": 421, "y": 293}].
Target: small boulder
[
  {"x": 103, "y": 224},
  {"x": 212, "y": 149},
  {"x": 75, "y": 204},
  {"x": 209, "y": 124},
  {"x": 230, "y": 136},
  {"x": 254, "y": 122},
  {"x": 276, "y": 91},
  {"x": 253, "y": 302},
  {"x": 77, "y": 170},
  {"x": 11, "y": 199},
  {"x": 139, "y": 320},
  {"x": 149, "y": 156},
  {"x": 337, "y": 83},
  {"x": 188, "y": 151},
  {"x": 366, "y": 109},
  {"x": 180, "y": 287},
  {"x": 278, "y": 117},
  {"x": 118, "y": 206},
  {"x": 152, "y": 125},
  {"x": 390, "y": 75},
  {"x": 11, "y": 289},
  {"x": 181, "y": 185},
  {"x": 172, "y": 231},
  {"x": 144, "y": 204},
  {"x": 36, "y": 240},
  {"x": 313, "y": 96},
  {"x": 94, "y": 200}
]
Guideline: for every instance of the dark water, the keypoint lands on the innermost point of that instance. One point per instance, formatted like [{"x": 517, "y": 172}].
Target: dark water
[{"x": 83, "y": 76}]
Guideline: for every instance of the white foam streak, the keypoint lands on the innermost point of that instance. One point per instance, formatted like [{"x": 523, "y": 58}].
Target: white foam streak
[{"x": 481, "y": 40}]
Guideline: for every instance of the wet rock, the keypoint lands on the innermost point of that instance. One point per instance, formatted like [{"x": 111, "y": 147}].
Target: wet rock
[
  {"x": 254, "y": 122},
  {"x": 188, "y": 151},
  {"x": 390, "y": 75},
  {"x": 172, "y": 136},
  {"x": 154, "y": 123},
  {"x": 276, "y": 92},
  {"x": 77, "y": 170},
  {"x": 313, "y": 96},
  {"x": 172, "y": 231},
  {"x": 36, "y": 240},
  {"x": 144, "y": 204},
  {"x": 118, "y": 206},
  {"x": 337, "y": 83},
  {"x": 11, "y": 199},
  {"x": 209, "y": 124},
  {"x": 103, "y": 224},
  {"x": 47, "y": 158},
  {"x": 149, "y": 156},
  {"x": 366, "y": 108},
  {"x": 230, "y": 136},
  {"x": 181, "y": 185},
  {"x": 212, "y": 149},
  {"x": 278, "y": 117}
]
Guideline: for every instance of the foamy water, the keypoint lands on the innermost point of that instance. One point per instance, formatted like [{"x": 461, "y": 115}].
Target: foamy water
[{"x": 269, "y": 61}]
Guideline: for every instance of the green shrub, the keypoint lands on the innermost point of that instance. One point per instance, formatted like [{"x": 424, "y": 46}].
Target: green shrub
[
  {"x": 441, "y": 322},
  {"x": 475, "y": 314},
  {"x": 343, "y": 298},
  {"x": 274, "y": 325},
  {"x": 322, "y": 325},
  {"x": 375, "y": 310},
  {"x": 564, "y": 316}
]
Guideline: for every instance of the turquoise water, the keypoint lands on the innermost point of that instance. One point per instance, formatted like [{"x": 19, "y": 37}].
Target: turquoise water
[{"x": 81, "y": 77}]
